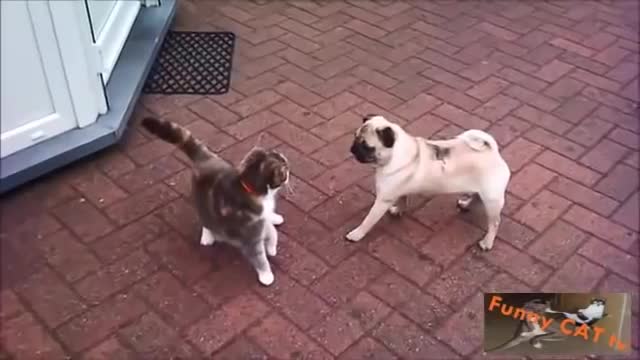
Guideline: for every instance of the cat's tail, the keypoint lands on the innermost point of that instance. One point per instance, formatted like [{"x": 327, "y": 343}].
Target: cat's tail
[{"x": 179, "y": 136}]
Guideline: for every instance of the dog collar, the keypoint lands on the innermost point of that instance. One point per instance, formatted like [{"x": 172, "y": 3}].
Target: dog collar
[{"x": 247, "y": 188}]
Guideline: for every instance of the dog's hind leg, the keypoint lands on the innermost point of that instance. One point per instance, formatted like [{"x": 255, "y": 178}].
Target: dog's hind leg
[
  {"x": 400, "y": 206},
  {"x": 493, "y": 207},
  {"x": 464, "y": 201}
]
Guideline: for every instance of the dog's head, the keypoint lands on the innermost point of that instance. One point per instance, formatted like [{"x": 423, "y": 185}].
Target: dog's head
[{"x": 374, "y": 140}]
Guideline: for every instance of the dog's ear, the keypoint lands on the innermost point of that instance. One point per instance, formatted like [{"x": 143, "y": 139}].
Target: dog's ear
[
  {"x": 367, "y": 117},
  {"x": 387, "y": 136}
]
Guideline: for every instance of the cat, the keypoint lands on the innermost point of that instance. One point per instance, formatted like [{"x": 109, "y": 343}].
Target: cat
[
  {"x": 589, "y": 315},
  {"x": 235, "y": 205},
  {"x": 534, "y": 334}
]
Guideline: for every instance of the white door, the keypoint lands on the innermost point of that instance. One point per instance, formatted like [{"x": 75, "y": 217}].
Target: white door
[
  {"x": 111, "y": 22},
  {"x": 36, "y": 101}
]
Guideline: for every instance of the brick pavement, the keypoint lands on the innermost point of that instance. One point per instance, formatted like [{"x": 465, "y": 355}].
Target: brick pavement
[{"x": 101, "y": 261}]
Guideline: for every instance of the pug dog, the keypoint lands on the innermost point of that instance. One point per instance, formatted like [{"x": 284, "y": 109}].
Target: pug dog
[{"x": 469, "y": 164}]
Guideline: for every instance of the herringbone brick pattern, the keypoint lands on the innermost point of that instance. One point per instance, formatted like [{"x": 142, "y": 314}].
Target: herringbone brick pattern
[{"x": 101, "y": 260}]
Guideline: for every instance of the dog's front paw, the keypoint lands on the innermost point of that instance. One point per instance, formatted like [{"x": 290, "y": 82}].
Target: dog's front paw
[
  {"x": 485, "y": 245},
  {"x": 277, "y": 219},
  {"x": 355, "y": 235},
  {"x": 266, "y": 278},
  {"x": 395, "y": 210}
]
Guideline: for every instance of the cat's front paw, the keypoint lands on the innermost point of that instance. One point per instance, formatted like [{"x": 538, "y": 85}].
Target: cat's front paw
[
  {"x": 266, "y": 278},
  {"x": 355, "y": 235},
  {"x": 277, "y": 219},
  {"x": 272, "y": 250}
]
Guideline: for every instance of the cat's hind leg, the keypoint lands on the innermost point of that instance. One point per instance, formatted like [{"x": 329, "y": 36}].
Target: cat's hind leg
[
  {"x": 207, "y": 237},
  {"x": 258, "y": 258}
]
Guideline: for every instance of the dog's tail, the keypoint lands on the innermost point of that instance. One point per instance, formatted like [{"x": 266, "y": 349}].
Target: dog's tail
[
  {"x": 179, "y": 136},
  {"x": 479, "y": 140}
]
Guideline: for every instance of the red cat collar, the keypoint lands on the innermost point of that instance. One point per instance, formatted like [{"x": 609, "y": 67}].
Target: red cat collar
[{"x": 247, "y": 188}]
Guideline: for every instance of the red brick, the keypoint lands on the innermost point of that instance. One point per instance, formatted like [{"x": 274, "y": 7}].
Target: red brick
[
  {"x": 334, "y": 86},
  {"x": 480, "y": 70},
  {"x": 542, "y": 210},
  {"x": 298, "y": 262},
  {"x": 367, "y": 348},
  {"x": 333, "y": 213},
  {"x": 626, "y": 138},
  {"x": 10, "y": 306},
  {"x": 622, "y": 120},
  {"x": 425, "y": 126},
  {"x": 564, "y": 89},
  {"x": 238, "y": 151},
  {"x": 619, "y": 183},
  {"x": 395, "y": 290},
  {"x": 407, "y": 69},
  {"x": 298, "y": 304},
  {"x": 497, "y": 108},
  {"x": 555, "y": 143},
  {"x": 595, "y": 80},
  {"x": 542, "y": 119},
  {"x": 140, "y": 204},
  {"x": 97, "y": 323},
  {"x": 124, "y": 241},
  {"x": 300, "y": 164},
  {"x": 557, "y": 244},
  {"x": 406, "y": 340},
  {"x": 253, "y": 124},
  {"x": 375, "y": 78},
  {"x": 436, "y": 213},
  {"x": 469, "y": 317},
  {"x": 575, "y": 109},
  {"x": 519, "y": 264},
  {"x": 151, "y": 173},
  {"x": 337, "y": 105},
  {"x": 281, "y": 339},
  {"x": 334, "y": 153},
  {"x": 519, "y": 152},
  {"x": 488, "y": 88},
  {"x": 181, "y": 258},
  {"x": 583, "y": 196},
  {"x": 576, "y": 275},
  {"x": 604, "y": 156},
  {"x": 417, "y": 106},
  {"x": 615, "y": 283},
  {"x": 509, "y": 129},
  {"x": 441, "y": 62},
  {"x": 341, "y": 283},
  {"x": 403, "y": 259},
  {"x": 296, "y": 137},
  {"x": 240, "y": 348},
  {"x": 497, "y": 31},
  {"x": 152, "y": 338},
  {"x": 532, "y": 98},
  {"x": 296, "y": 114},
  {"x": 51, "y": 298},
  {"x": 214, "y": 113},
  {"x": 454, "y": 97},
  {"x": 584, "y": 63},
  {"x": 255, "y": 103},
  {"x": 568, "y": 168},
  {"x": 504, "y": 282},
  {"x": 622, "y": 263},
  {"x": 341, "y": 329},
  {"x": 461, "y": 281},
  {"x": 115, "y": 277},
  {"x": 442, "y": 76},
  {"x": 109, "y": 349},
  {"x": 181, "y": 306},
  {"x": 623, "y": 72},
  {"x": 302, "y": 194},
  {"x": 298, "y": 94},
  {"x": 633, "y": 159},
  {"x": 628, "y": 214},
  {"x": 553, "y": 71},
  {"x": 23, "y": 338},
  {"x": 432, "y": 30},
  {"x": 83, "y": 219},
  {"x": 235, "y": 316},
  {"x": 68, "y": 256},
  {"x": 334, "y": 67},
  {"x": 261, "y": 65},
  {"x": 376, "y": 96},
  {"x": 611, "y": 56},
  {"x": 600, "y": 227},
  {"x": 162, "y": 104},
  {"x": 180, "y": 182},
  {"x": 98, "y": 189},
  {"x": 528, "y": 181},
  {"x": 460, "y": 117},
  {"x": 452, "y": 241},
  {"x": 523, "y": 80},
  {"x": 589, "y": 131}
]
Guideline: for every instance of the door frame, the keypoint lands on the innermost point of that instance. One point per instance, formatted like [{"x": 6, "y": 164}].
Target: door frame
[{"x": 73, "y": 30}]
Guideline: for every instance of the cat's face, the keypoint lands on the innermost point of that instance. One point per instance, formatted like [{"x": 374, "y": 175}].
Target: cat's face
[
  {"x": 598, "y": 302},
  {"x": 266, "y": 169}
]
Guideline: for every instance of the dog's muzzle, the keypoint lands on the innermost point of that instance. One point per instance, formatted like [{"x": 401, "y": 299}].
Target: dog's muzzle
[{"x": 363, "y": 152}]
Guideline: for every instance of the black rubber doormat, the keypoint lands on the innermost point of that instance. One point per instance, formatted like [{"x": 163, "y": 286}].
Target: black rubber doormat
[{"x": 192, "y": 63}]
